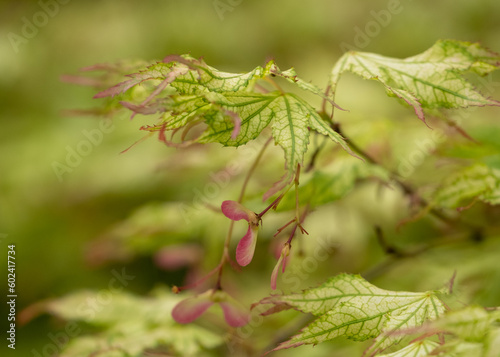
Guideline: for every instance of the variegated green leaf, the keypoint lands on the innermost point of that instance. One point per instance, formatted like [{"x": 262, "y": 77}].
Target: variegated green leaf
[
  {"x": 416, "y": 349},
  {"x": 470, "y": 324},
  {"x": 291, "y": 76},
  {"x": 187, "y": 92},
  {"x": 290, "y": 118},
  {"x": 478, "y": 181},
  {"x": 127, "y": 325},
  {"x": 469, "y": 332},
  {"x": 349, "y": 306},
  {"x": 202, "y": 77},
  {"x": 432, "y": 79}
]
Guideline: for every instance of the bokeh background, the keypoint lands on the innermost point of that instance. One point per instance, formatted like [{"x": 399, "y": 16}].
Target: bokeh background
[{"x": 61, "y": 225}]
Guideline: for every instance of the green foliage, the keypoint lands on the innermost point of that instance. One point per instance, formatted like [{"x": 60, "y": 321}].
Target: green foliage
[
  {"x": 334, "y": 181},
  {"x": 128, "y": 326},
  {"x": 347, "y": 305},
  {"x": 227, "y": 103},
  {"x": 415, "y": 349},
  {"x": 474, "y": 332},
  {"x": 475, "y": 182},
  {"x": 432, "y": 79},
  {"x": 470, "y": 324},
  {"x": 147, "y": 230},
  {"x": 206, "y": 105}
]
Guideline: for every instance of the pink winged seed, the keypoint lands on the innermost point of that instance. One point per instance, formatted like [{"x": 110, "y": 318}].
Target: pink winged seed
[
  {"x": 246, "y": 246},
  {"x": 235, "y": 211},
  {"x": 190, "y": 309},
  {"x": 235, "y": 316}
]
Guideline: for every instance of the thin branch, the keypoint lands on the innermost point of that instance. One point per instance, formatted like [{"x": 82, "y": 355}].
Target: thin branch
[
  {"x": 252, "y": 169},
  {"x": 315, "y": 155},
  {"x": 407, "y": 189},
  {"x": 388, "y": 248},
  {"x": 401, "y": 255},
  {"x": 288, "y": 330},
  {"x": 276, "y": 85}
]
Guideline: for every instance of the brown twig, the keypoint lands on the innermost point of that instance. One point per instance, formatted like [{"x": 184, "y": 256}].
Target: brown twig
[{"x": 407, "y": 189}]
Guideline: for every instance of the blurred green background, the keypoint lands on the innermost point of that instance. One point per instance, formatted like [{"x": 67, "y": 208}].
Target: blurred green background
[{"x": 53, "y": 221}]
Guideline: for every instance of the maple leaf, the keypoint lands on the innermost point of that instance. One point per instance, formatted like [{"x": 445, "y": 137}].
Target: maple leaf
[
  {"x": 128, "y": 325},
  {"x": 432, "y": 79},
  {"x": 187, "y": 92},
  {"x": 349, "y": 306},
  {"x": 475, "y": 182},
  {"x": 415, "y": 349},
  {"x": 290, "y": 118}
]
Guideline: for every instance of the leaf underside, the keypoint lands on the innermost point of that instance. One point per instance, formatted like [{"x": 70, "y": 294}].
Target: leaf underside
[
  {"x": 416, "y": 349},
  {"x": 432, "y": 79}
]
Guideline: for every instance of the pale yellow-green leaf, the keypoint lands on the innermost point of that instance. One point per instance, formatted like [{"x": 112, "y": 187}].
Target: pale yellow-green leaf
[
  {"x": 127, "y": 325},
  {"x": 349, "y": 306},
  {"x": 477, "y": 181},
  {"x": 417, "y": 349},
  {"x": 470, "y": 324},
  {"x": 289, "y": 116},
  {"x": 432, "y": 79}
]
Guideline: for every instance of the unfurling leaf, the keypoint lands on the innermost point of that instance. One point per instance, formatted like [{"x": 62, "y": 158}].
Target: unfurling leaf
[
  {"x": 349, "y": 306},
  {"x": 432, "y": 79}
]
